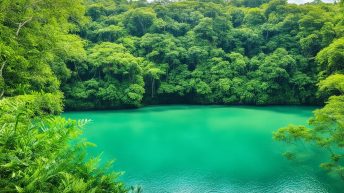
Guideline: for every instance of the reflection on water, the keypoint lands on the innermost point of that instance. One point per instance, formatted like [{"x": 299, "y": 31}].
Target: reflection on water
[{"x": 187, "y": 149}]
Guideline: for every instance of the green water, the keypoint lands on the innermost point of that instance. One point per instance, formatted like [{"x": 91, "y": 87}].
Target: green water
[{"x": 201, "y": 149}]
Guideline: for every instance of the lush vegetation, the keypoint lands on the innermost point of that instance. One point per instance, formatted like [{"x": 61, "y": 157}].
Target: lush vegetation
[
  {"x": 36, "y": 154},
  {"x": 125, "y": 54},
  {"x": 205, "y": 52},
  {"x": 326, "y": 128},
  {"x": 119, "y": 54}
]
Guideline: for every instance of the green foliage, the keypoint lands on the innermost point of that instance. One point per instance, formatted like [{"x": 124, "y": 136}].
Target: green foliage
[
  {"x": 128, "y": 53},
  {"x": 113, "y": 78},
  {"x": 33, "y": 43},
  {"x": 36, "y": 154},
  {"x": 249, "y": 3},
  {"x": 35, "y": 104},
  {"x": 333, "y": 85},
  {"x": 241, "y": 52},
  {"x": 331, "y": 59},
  {"x": 138, "y": 21},
  {"x": 39, "y": 50},
  {"x": 326, "y": 127},
  {"x": 292, "y": 133},
  {"x": 255, "y": 17}
]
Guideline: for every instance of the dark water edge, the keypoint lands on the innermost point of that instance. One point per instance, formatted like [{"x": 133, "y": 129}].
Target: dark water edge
[{"x": 124, "y": 108}]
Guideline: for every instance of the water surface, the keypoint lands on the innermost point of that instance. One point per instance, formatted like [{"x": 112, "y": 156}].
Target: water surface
[{"x": 201, "y": 149}]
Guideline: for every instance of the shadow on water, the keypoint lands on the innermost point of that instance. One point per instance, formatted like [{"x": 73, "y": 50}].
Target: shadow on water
[{"x": 304, "y": 110}]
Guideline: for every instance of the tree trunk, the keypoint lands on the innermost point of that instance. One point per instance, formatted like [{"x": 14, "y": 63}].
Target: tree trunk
[
  {"x": 21, "y": 25},
  {"x": 2, "y": 68},
  {"x": 2, "y": 92},
  {"x": 153, "y": 84}
]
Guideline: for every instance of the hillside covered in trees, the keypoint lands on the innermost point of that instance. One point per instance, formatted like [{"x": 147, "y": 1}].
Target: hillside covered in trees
[
  {"x": 205, "y": 52},
  {"x": 109, "y": 54}
]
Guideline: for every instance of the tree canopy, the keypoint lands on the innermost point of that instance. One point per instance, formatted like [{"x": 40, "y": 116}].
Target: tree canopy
[
  {"x": 108, "y": 54},
  {"x": 204, "y": 52}
]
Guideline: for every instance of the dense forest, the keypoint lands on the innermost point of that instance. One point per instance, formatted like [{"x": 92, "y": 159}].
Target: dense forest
[
  {"x": 109, "y": 54},
  {"x": 201, "y": 52}
]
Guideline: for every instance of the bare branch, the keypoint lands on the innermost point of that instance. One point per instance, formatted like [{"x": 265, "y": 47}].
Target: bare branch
[
  {"x": 2, "y": 68},
  {"x": 22, "y": 24}
]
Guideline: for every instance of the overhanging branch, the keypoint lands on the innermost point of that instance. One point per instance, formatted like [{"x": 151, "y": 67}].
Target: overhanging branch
[
  {"x": 21, "y": 25},
  {"x": 2, "y": 68}
]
